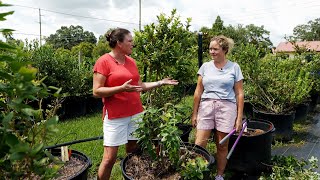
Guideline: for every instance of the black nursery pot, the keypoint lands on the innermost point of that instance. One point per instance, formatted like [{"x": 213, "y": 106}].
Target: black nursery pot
[
  {"x": 252, "y": 153},
  {"x": 283, "y": 123},
  {"x": 189, "y": 146},
  {"x": 83, "y": 173},
  {"x": 302, "y": 111},
  {"x": 186, "y": 129},
  {"x": 247, "y": 109}
]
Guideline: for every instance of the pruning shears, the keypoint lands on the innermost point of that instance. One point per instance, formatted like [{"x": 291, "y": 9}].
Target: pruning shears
[{"x": 244, "y": 125}]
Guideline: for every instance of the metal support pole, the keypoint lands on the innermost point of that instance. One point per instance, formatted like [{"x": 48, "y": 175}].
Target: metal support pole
[
  {"x": 200, "y": 49},
  {"x": 40, "y": 41}
]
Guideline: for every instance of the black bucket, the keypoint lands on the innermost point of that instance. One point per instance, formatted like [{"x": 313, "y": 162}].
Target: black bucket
[
  {"x": 82, "y": 174},
  {"x": 252, "y": 153},
  {"x": 283, "y": 123},
  {"x": 189, "y": 146}
]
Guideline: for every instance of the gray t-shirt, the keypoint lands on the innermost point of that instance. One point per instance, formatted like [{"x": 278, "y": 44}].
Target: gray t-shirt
[{"x": 219, "y": 83}]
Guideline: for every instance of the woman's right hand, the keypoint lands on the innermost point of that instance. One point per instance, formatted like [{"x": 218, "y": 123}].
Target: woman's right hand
[
  {"x": 194, "y": 120},
  {"x": 127, "y": 87}
]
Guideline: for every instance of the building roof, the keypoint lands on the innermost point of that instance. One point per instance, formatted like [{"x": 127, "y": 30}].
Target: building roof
[{"x": 288, "y": 47}]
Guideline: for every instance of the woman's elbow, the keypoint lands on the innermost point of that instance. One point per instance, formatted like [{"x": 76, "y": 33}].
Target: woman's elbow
[{"x": 96, "y": 94}]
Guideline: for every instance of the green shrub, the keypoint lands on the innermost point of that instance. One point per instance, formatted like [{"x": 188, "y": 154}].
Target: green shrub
[
  {"x": 166, "y": 49},
  {"x": 291, "y": 168},
  {"x": 23, "y": 130}
]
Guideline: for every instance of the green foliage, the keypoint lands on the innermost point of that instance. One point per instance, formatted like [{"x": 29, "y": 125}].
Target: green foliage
[
  {"x": 84, "y": 49},
  {"x": 24, "y": 130},
  {"x": 67, "y": 37},
  {"x": 159, "y": 137},
  {"x": 158, "y": 130},
  {"x": 249, "y": 34},
  {"x": 247, "y": 56},
  {"x": 166, "y": 49},
  {"x": 307, "y": 32},
  {"x": 291, "y": 168},
  {"x": 194, "y": 168},
  {"x": 281, "y": 84},
  {"x": 312, "y": 63},
  {"x": 101, "y": 48},
  {"x": 61, "y": 69}
]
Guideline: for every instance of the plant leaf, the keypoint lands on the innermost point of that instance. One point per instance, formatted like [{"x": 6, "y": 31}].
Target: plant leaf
[
  {"x": 11, "y": 140},
  {"x": 3, "y": 15},
  {"x": 4, "y": 45},
  {"x": 17, "y": 156}
]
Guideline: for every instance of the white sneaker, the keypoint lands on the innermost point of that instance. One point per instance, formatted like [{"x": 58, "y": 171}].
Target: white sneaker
[{"x": 219, "y": 177}]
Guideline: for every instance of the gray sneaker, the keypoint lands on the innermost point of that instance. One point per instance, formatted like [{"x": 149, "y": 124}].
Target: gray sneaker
[{"x": 219, "y": 177}]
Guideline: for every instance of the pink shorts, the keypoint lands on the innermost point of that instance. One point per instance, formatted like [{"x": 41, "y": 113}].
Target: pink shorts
[{"x": 216, "y": 114}]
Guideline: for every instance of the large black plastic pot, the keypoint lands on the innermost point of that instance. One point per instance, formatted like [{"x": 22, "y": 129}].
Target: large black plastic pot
[
  {"x": 315, "y": 99},
  {"x": 247, "y": 109},
  {"x": 283, "y": 123},
  {"x": 189, "y": 146},
  {"x": 82, "y": 174},
  {"x": 186, "y": 129},
  {"x": 252, "y": 152},
  {"x": 73, "y": 106},
  {"x": 302, "y": 111},
  {"x": 94, "y": 104}
]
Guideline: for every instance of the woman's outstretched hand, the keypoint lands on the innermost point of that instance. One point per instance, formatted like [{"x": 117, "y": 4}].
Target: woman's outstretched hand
[
  {"x": 168, "y": 81},
  {"x": 127, "y": 87}
]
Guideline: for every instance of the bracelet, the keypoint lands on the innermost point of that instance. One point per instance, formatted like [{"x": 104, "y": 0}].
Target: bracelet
[{"x": 159, "y": 83}]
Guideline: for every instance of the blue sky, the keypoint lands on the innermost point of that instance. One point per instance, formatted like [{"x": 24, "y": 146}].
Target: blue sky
[{"x": 277, "y": 16}]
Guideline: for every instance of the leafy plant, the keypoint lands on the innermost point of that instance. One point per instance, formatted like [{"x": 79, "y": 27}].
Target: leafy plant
[
  {"x": 159, "y": 137},
  {"x": 291, "y": 168},
  {"x": 193, "y": 169},
  {"x": 61, "y": 68},
  {"x": 281, "y": 84},
  {"x": 157, "y": 131},
  {"x": 313, "y": 66},
  {"x": 23, "y": 129},
  {"x": 166, "y": 49}
]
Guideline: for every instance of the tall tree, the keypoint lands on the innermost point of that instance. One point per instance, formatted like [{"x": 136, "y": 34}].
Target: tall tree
[
  {"x": 67, "y": 37},
  {"x": 307, "y": 32},
  {"x": 218, "y": 27},
  {"x": 249, "y": 34}
]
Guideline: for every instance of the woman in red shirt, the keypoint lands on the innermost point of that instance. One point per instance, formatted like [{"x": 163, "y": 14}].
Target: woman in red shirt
[{"x": 117, "y": 81}]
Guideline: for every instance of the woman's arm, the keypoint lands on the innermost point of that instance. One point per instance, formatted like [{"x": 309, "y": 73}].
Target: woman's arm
[
  {"x": 99, "y": 90},
  {"x": 238, "y": 88},
  {"x": 150, "y": 85},
  {"x": 196, "y": 101}
]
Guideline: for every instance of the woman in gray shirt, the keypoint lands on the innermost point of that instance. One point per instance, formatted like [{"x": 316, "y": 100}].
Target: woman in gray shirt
[{"x": 218, "y": 99}]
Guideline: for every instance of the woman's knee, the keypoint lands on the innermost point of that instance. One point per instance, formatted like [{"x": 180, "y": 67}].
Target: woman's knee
[
  {"x": 109, "y": 161},
  {"x": 222, "y": 147}
]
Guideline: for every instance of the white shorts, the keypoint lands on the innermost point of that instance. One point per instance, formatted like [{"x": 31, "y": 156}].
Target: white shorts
[{"x": 118, "y": 131}]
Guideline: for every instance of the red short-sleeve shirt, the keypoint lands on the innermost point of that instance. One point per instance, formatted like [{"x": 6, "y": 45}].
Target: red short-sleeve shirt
[{"x": 122, "y": 104}]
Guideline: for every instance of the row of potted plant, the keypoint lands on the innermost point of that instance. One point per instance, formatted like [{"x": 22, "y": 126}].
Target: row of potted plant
[{"x": 275, "y": 86}]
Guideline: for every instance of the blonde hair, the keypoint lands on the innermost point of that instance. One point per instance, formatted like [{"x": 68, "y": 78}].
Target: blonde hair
[{"x": 225, "y": 43}]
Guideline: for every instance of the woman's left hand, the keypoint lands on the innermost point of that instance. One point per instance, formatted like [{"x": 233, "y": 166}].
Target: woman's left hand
[
  {"x": 238, "y": 125},
  {"x": 168, "y": 81}
]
